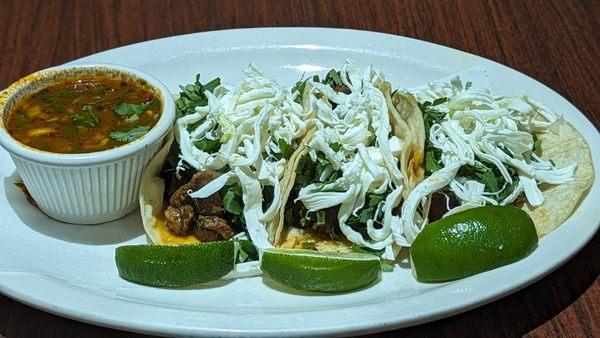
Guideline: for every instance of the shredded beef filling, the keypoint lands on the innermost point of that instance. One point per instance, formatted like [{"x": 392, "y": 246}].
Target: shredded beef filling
[
  {"x": 200, "y": 217},
  {"x": 438, "y": 205},
  {"x": 342, "y": 89}
]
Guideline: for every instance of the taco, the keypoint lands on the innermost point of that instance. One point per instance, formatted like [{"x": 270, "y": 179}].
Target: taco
[
  {"x": 345, "y": 183},
  {"x": 501, "y": 150},
  {"x": 222, "y": 176}
]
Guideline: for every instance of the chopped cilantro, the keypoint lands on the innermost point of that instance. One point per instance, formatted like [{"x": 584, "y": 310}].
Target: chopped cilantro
[
  {"x": 88, "y": 117},
  {"x": 246, "y": 251},
  {"x": 208, "y": 146},
  {"x": 432, "y": 115},
  {"x": 305, "y": 171},
  {"x": 308, "y": 245},
  {"x": 333, "y": 177},
  {"x": 367, "y": 212},
  {"x": 192, "y": 96},
  {"x": 490, "y": 181},
  {"x": 320, "y": 217},
  {"x": 333, "y": 78},
  {"x": 468, "y": 85},
  {"x": 439, "y": 101},
  {"x": 432, "y": 163},
  {"x": 232, "y": 200},
  {"x": 130, "y": 135},
  {"x": 214, "y": 83},
  {"x": 125, "y": 109},
  {"x": 70, "y": 131},
  {"x": 299, "y": 88},
  {"x": 374, "y": 199},
  {"x": 335, "y": 146},
  {"x": 537, "y": 145},
  {"x": 286, "y": 149}
]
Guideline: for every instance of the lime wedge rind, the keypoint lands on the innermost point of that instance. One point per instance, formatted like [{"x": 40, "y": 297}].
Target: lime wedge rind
[
  {"x": 306, "y": 270},
  {"x": 472, "y": 241},
  {"x": 174, "y": 266}
]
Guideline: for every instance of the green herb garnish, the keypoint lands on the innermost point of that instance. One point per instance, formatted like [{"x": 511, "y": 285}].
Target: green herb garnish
[
  {"x": 537, "y": 145},
  {"x": 333, "y": 79},
  {"x": 232, "y": 200},
  {"x": 88, "y": 117},
  {"x": 492, "y": 179},
  {"x": 367, "y": 212},
  {"x": 431, "y": 116},
  {"x": 192, "y": 96},
  {"x": 125, "y": 109},
  {"x": 337, "y": 146},
  {"x": 208, "y": 146},
  {"x": 299, "y": 88},
  {"x": 286, "y": 149},
  {"x": 432, "y": 156},
  {"x": 308, "y": 245},
  {"x": 70, "y": 131},
  {"x": 130, "y": 135},
  {"x": 246, "y": 251},
  {"x": 321, "y": 215}
]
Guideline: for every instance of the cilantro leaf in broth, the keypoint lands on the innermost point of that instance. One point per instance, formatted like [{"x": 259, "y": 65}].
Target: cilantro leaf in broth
[
  {"x": 125, "y": 109},
  {"x": 130, "y": 135},
  {"x": 88, "y": 117}
]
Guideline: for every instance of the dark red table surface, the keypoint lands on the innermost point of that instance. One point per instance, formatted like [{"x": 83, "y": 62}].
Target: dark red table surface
[{"x": 556, "y": 42}]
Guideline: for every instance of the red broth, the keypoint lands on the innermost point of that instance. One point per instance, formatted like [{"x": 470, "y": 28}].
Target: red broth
[{"x": 84, "y": 115}]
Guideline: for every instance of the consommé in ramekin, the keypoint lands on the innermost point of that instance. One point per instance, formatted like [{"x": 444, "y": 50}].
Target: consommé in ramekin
[{"x": 87, "y": 187}]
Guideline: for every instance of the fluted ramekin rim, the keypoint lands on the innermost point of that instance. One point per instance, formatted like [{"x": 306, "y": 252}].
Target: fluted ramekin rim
[{"x": 162, "y": 127}]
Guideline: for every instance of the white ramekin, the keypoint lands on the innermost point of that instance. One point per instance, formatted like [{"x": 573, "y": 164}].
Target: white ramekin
[{"x": 93, "y": 187}]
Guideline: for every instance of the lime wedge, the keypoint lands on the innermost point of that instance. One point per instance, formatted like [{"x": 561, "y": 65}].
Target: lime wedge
[
  {"x": 471, "y": 242},
  {"x": 322, "y": 272},
  {"x": 175, "y": 265}
]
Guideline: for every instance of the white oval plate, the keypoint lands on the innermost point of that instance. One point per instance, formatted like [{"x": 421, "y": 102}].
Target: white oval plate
[{"x": 69, "y": 269}]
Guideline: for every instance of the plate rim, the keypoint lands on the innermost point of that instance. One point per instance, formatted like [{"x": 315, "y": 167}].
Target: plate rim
[{"x": 353, "y": 328}]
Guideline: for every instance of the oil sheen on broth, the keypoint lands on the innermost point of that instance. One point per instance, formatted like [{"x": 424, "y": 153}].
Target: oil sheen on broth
[{"x": 84, "y": 115}]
